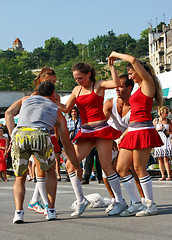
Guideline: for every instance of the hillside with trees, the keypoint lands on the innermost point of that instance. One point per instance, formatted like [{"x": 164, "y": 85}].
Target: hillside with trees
[{"x": 16, "y": 66}]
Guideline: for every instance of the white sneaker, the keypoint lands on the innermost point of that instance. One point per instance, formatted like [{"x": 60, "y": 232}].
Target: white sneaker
[
  {"x": 110, "y": 207},
  {"x": 37, "y": 207},
  {"x": 51, "y": 214},
  {"x": 150, "y": 209},
  {"x": 132, "y": 209},
  {"x": 118, "y": 208},
  {"x": 18, "y": 216},
  {"x": 80, "y": 208}
]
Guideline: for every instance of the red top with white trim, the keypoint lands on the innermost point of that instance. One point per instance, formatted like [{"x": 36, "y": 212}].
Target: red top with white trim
[
  {"x": 90, "y": 107},
  {"x": 141, "y": 107}
]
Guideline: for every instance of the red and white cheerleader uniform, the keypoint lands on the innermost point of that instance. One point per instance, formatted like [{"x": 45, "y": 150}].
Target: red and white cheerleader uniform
[
  {"x": 91, "y": 110},
  {"x": 141, "y": 132}
]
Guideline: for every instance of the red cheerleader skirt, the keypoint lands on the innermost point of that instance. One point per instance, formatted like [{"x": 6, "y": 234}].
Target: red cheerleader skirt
[
  {"x": 139, "y": 139},
  {"x": 55, "y": 143},
  {"x": 100, "y": 130}
]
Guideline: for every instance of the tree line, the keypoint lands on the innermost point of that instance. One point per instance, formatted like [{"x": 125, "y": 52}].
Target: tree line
[{"x": 16, "y": 66}]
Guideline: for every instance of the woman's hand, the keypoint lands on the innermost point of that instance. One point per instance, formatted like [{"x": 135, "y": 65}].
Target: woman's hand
[
  {"x": 111, "y": 59},
  {"x": 119, "y": 141}
]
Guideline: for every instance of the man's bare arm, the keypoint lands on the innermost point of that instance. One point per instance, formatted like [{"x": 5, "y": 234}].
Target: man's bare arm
[
  {"x": 107, "y": 108},
  {"x": 11, "y": 112},
  {"x": 67, "y": 145}
]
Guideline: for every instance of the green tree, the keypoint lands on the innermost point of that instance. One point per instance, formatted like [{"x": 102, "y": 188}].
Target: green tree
[
  {"x": 142, "y": 45},
  {"x": 159, "y": 27},
  {"x": 65, "y": 80},
  {"x": 70, "y": 51},
  {"x": 97, "y": 48},
  {"x": 7, "y": 55},
  {"x": 40, "y": 57},
  {"x": 55, "y": 48},
  {"x": 24, "y": 60},
  {"x": 14, "y": 77}
]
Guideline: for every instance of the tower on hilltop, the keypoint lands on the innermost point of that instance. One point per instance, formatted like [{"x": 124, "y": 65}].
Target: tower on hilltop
[{"x": 17, "y": 45}]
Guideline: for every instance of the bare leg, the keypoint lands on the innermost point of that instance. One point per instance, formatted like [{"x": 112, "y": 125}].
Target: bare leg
[
  {"x": 30, "y": 169},
  {"x": 167, "y": 167},
  {"x": 19, "y": 191},
  {"x": 57, "y": 157},
  {"x": 82, "y": 149},
  {"x": 105, "y": 157},
  {"x": 33, "y": 170},
  {"x": 51, "y": 186},
  {"x": 137, "y": 181},
  {"x": 4, "y": 175},
  {"x": 161, "y": 167},
  {"x": 107, "y": 185}
]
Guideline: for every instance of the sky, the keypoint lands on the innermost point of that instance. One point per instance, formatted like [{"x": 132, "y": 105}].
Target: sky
[{"x": 34, "y": 21}]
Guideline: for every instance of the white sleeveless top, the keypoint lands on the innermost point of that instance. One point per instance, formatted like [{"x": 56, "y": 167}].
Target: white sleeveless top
[{"x": 116, "y": 121}]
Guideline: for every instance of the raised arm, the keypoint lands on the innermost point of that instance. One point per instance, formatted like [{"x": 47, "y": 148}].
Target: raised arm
[
  {"x": 115, "y": 82},
  {"x": 141, "y": 71}
]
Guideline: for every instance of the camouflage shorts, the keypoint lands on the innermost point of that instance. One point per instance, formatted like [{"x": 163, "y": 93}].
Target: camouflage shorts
[{"x": 28, "y": 141}]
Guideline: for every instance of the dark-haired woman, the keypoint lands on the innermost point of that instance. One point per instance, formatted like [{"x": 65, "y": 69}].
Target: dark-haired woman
[
  {"x": 141, "y": 136},
  {"x": 89, "y": 97},
  {"x": 73, "y": 122}
]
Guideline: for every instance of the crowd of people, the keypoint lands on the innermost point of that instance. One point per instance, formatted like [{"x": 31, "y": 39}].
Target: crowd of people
[{"x": 118, "y": 133}]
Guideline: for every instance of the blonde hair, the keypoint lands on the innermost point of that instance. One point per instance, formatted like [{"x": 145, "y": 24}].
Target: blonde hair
[
  {"x": 158, "y": 87},
  {"x": 162, "y": 110},
  {"x": 45, "y": 71}
]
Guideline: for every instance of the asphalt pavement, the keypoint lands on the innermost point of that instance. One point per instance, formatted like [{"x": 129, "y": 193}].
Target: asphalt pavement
[{"x": 94, "y": 224}]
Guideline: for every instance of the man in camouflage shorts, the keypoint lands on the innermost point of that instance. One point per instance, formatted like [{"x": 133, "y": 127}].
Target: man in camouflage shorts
[
  {"x": 27, "y": 141},
  {"x": 38, "y": 114}
]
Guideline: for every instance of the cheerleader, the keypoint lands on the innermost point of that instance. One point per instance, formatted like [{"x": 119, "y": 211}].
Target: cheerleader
[
  {"x": 136, "y": 142},
  {"x": 89, "y": 97}
]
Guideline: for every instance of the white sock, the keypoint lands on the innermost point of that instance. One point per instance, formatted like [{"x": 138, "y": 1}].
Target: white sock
[
  {"x": 131, "y": 188},
  {"x": 36, "y": 194},
  {"x": 42, "y": 189},
  {"x": 146, "y": 184},
  {"x": 77, "y": 187},
  {"x": 115, "y": 185}
]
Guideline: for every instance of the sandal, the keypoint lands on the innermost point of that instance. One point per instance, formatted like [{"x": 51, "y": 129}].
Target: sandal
[
  {"x": 168, "y": 179},
  {"x": 162, "y": 179}
]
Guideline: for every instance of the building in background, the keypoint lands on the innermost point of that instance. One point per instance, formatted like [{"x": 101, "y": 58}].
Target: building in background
[
  {"x": 160, "y": 48},
  {"x": 17, "y": 45}
]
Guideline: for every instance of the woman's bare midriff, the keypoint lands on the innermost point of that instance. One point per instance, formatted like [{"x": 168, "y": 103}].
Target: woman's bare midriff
[{"x": 93, "y": 123}]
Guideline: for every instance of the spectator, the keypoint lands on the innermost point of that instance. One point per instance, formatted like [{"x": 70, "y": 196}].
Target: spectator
[{"x": 164, "y": 153}]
